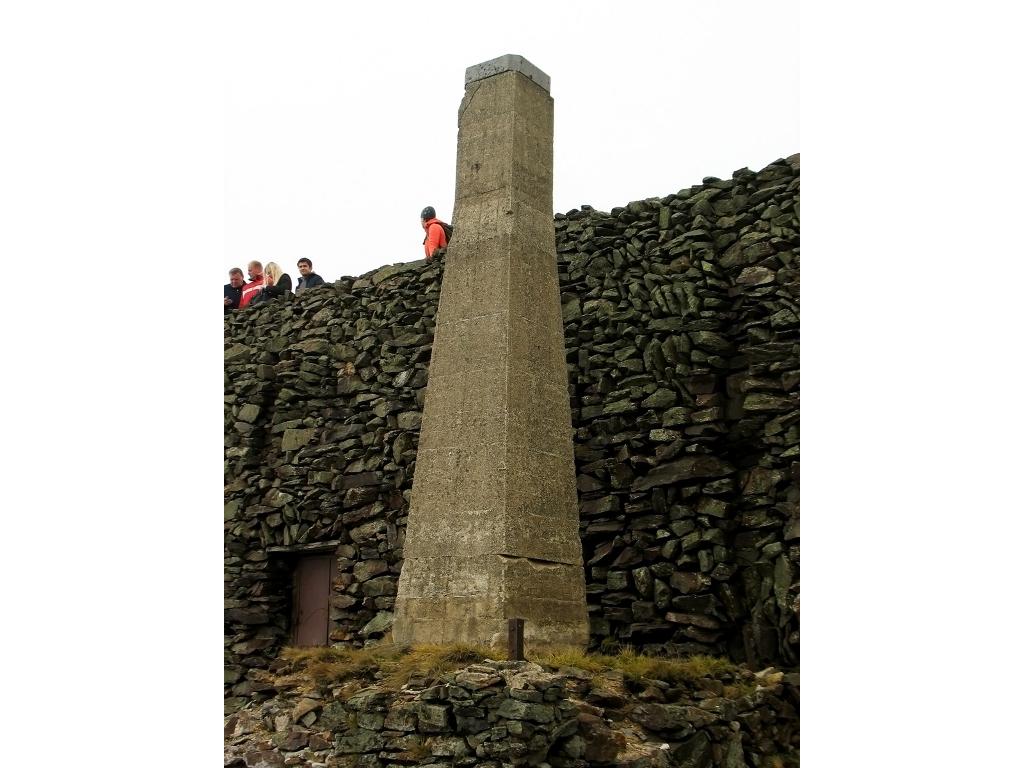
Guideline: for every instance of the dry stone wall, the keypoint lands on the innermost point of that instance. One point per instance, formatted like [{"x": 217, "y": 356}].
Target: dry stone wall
[
  {"x": 501, "y": 713},
  {"x": 681, "y": 318}
]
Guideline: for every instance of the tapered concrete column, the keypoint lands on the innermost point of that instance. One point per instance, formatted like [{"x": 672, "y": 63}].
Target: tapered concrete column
[{"x": 493, "y": 528}]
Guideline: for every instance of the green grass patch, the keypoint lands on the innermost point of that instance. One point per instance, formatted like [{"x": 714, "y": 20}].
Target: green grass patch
[
  {"x": 431, "y": 662},
  {"x": 391, "y": 666},
  {"x": 328, "y": 666},
  {"x": 635, "y": 666}
]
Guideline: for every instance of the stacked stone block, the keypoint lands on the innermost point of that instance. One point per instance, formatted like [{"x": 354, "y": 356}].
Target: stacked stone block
[
  {"x": 498, "y": 713},
  {"x": 681, "y": 322},
  {"x": 322, "y": 410}
]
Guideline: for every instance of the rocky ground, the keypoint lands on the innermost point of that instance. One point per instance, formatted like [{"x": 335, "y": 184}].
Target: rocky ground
[{"x": 490, "y": 712}]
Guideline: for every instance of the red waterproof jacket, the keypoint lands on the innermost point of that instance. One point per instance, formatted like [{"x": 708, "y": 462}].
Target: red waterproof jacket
[
  {"x": 435, "y": 237},
  {"x": 249, "y": 292}
]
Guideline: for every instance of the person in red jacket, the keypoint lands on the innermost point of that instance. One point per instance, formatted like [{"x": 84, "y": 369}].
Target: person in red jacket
[
  {"x": 252, "y": 289},
  {"x": 436, "y": 238}
]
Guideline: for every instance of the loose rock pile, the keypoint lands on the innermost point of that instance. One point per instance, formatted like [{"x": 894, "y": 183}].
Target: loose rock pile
[
  {"x": 681, "y": 323},
  {"x": 516, "y": 713}
]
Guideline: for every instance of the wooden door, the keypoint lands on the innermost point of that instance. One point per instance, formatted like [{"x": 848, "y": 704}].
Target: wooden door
[{"x": 311, "y": 598}]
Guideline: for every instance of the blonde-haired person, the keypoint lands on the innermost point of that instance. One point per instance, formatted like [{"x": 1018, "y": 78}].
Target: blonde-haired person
[{"x": 275, "y": 283}]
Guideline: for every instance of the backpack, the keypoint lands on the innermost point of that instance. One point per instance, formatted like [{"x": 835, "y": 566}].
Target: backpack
[{"x": 447, "y": 234}]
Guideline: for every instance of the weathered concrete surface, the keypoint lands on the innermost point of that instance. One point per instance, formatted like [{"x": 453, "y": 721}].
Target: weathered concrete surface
[
  {"x": 510, "y": 62},
  {"x": 493, "y": 527}
]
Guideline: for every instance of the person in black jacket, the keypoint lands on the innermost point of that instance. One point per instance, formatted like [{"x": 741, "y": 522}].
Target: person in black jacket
[
  {"x": 309, "y": 279},
  {"x": 275, "y": 283},
  {"x": 233, "y": 290}
]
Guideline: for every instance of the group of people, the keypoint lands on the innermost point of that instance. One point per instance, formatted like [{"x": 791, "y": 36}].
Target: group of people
[
  {"x": 270, "y": 282},
  {"x": 265, "y": 283}
]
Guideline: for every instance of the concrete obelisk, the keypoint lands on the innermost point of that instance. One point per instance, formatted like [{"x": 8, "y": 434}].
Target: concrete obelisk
[{"x": 493, "y": 529}]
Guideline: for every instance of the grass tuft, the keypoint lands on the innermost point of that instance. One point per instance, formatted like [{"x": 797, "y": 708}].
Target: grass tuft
[
  {"x": 331, "y": 666},
  {"x": 559, "y": 658},
  {"x": 393, "y": 666},
  {"x": 635, "y": 666},
  {"x": 431, "y": 662},
  {"x": 390, "y": 665},
  {"x": 419, "y": 752},
  {"x": 739, "y": 690}
]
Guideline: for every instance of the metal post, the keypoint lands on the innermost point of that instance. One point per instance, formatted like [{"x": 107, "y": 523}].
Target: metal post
[{"x": 515, "y": 639}]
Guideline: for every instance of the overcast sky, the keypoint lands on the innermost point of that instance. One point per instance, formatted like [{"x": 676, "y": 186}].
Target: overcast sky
[{"x": 342, "y": 119}]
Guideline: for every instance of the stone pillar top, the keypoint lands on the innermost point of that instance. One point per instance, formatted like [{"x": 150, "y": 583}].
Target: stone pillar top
[{"x": 510, "y": 62}]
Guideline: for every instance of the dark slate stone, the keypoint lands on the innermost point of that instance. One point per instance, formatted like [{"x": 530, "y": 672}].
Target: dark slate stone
[
  {"x": 361, "y": 479},
  {"x": 693, "y": 752},
  {"x": 663, "y": 718},
  {"x": 685, "y": 469}
]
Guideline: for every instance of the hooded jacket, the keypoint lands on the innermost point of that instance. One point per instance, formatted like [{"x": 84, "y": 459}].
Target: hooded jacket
[{"x": 435, "y": 237}]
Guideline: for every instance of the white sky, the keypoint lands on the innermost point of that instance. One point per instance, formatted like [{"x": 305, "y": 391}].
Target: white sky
[{"x": 342, "y": 119}]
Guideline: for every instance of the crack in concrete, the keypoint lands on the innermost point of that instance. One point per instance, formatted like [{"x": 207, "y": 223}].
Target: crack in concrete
[{"x": 534, "y": 560}]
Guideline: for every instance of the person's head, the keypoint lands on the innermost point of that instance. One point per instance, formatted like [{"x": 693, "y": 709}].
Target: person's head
[
  {"x": 305, "y": 266},
  {"x": 272, "y": 273},
  {"x": 426, "y": 215},
  {"x": 235, "y": 277},
  {"x": 255, "y": 270}
]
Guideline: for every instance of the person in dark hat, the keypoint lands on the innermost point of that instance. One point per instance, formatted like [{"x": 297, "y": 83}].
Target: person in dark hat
[{"x": 436, "y": 238}]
